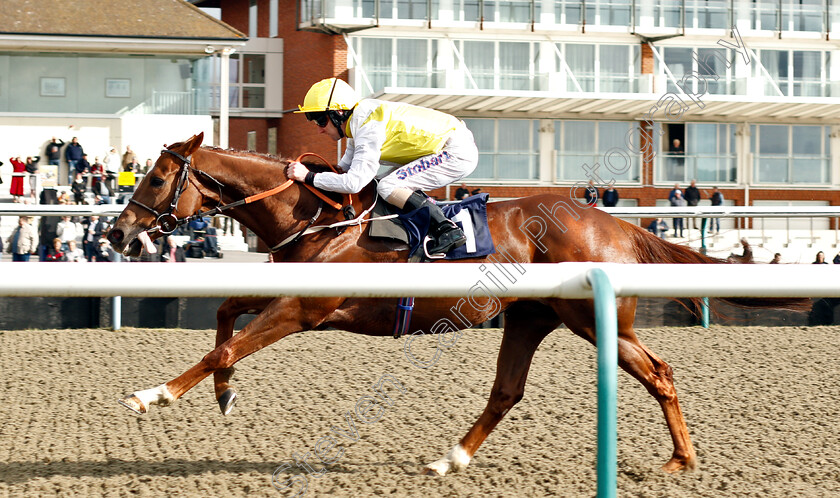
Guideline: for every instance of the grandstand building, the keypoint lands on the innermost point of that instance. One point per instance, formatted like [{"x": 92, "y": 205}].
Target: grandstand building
[
  {"x": 558, "y": 92},
  {"x": 118, "y": 74}
]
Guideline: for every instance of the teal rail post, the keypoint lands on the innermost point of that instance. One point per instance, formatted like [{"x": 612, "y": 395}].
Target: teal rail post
[
  {"x": 606, "y": 324},
  {"x": 705, "y": 317}
]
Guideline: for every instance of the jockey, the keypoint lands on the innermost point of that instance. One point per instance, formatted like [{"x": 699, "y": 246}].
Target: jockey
[{"x": 425, "y": 149}]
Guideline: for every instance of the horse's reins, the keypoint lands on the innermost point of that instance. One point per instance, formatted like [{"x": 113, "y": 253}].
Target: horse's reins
[{"x": 167, "y": 222}]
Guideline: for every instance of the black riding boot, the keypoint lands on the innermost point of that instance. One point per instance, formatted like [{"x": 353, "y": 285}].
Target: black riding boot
[{"x": 445, "y": 234}]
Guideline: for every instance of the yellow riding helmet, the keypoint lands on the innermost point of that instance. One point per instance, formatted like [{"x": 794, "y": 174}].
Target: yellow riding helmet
[{"x": 331, "y": 94}]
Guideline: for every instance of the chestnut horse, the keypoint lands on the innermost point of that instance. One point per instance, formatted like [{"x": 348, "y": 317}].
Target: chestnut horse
[{"x": 187, "y": 178}]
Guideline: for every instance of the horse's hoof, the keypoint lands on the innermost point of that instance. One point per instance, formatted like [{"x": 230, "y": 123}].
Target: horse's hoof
[
  {"x": 134, "y": 404},
  {"x": 428, "y": 471},
  {"x": 227, "y": 400},
  {"x": 677, "y": 464}
]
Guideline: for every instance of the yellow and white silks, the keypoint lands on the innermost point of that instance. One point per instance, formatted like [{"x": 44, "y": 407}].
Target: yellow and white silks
[{"x": 429, "y": 149}]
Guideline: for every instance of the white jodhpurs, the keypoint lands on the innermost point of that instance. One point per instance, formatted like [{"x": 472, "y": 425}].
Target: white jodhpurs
[{"x": 457, "y": 159}]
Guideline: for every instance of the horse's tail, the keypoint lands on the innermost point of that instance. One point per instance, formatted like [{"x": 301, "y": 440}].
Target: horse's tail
[{"x": 651, "y": 249}]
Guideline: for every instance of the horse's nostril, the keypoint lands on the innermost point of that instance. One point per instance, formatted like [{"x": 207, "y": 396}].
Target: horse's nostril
[{"x": 116, "y": 235}]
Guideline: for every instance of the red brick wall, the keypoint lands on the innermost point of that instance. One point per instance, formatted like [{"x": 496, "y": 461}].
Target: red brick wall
[
  {"x": 647, "y": 59},
  {"x": 239, "y": 128}
]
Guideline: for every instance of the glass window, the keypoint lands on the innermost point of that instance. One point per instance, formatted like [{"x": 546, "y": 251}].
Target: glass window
[
  {"x": 376, "y": 61},
  {"x": 253, "y": 69},
  {"x": 583, "y": 146},
  {"x": 617, "y": 69},
  {"x": 567, "y": 11},
  {"x": 668, "y": 13},
  {"x": 803, "y": 15},
  {"x": 708, "y": 154},
  {"x": 679, "y": 62},
  {"x": 791, "y": 154},
  {"x": 707, "y": 14},
  {"x": 478, "y": 57},
  {"x": 613, "y": 12},
  {"x": 765, "y": 15},
  {"x": 411, "y": 9},
  {"x": 412, "y": 57},
  {"x": 507, "y": 148},
  {"x": 806, "y": 73},
  {"x": 581, "y": 61},
  {"x": 796, "y": 72},
  {"x": 507, "y": 10},
  {"x": 514, "y": 63}
]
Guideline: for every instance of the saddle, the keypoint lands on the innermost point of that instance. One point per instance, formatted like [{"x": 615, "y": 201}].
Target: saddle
[{"x": 411, "y": 229}]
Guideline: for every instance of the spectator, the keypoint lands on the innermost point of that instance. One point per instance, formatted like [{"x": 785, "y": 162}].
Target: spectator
[
  {"x": 836, "y": 259},
  {"x": 610, "y": 198},
  {"x": 133, "y": 165},
  {"x": 113, "y": 165},
  {"x": 78, "y": 187},
  {"x": 32, "y": 168},
  {"x": 63, "y": 197},
  {"x": 66, "y": 231},
  {"x": 675, "y": 159},
  {"x": 54, "y": 151},
  {"x": 73, "y": 153},
  {"x": 128, "y": 158},
  {"x": 462, "y": 192},
  {"x": 55, "y": 253},
  {"x": 94, "y": 229},
  {"x": 673, "y": 192},
  {"x": 591, "y": 194},
  {"x": 820, "y": 259},
  {"x": 97, "y": 172},
  {"x": 23, "y": 241},
  {"x": 658, "y": 227},
  {"x": 16, "y": 188},
  {"x": 73, "y": 253},
  {"x": 148, "y": 166},
  {"x": 678, "y": 222},
  {"x": 692, "y": 198},
  {"x": 104, "y": 252},
  {"x": 777, "y": 258},
  {"x": 83, "y": 166},
  {"x": 717, "y": 200}
]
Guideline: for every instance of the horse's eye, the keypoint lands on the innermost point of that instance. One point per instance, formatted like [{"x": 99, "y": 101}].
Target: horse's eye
[{"x": 157, "y": 181}]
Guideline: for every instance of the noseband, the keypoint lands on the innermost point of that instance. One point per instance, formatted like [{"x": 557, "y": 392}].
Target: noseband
[{"x": 167, "y": 222}]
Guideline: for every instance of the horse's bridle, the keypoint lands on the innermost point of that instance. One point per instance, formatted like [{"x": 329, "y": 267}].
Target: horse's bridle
[{"x": 167, "y": 222}]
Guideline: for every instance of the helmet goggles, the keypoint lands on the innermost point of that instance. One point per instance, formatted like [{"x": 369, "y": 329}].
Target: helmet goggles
[{"x": 320, "y": 118}]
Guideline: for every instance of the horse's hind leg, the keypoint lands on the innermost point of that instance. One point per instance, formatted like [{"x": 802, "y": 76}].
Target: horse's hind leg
[
  {"x": 226, "y": 317},
  {"x": 656, "y": 375},
  {"x": 526, "y": 325}
]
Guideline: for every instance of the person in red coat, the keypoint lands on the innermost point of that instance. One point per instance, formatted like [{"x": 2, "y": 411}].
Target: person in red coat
[{"x": 16, "y": 189}]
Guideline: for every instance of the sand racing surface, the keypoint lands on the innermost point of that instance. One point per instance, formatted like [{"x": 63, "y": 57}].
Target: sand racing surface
[{"x": 762, "y": 405}]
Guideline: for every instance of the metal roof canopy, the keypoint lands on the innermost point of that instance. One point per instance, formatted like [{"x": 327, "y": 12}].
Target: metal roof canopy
[{"x": 618, "y": 106}]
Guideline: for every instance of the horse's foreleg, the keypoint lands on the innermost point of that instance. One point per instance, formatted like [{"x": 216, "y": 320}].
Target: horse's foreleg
[
  {"x": 226, "y": 317},
  {"x": 657, "y": 377},
  {"x": 284, "y": 316},
  {"x": 526, "y": 325}
]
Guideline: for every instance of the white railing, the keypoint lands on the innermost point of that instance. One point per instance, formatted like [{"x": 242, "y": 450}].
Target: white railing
[
  {"x": 166, "y": 103},
  {"x": 561, "y": 280},
  {"x": 602, "y": 282}
]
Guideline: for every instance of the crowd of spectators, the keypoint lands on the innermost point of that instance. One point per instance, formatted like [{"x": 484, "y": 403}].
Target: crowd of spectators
[{"x": 90, "y": 181}]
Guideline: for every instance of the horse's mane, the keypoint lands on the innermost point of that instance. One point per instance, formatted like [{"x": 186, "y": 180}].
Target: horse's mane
[{"x": 317, "y": 167}]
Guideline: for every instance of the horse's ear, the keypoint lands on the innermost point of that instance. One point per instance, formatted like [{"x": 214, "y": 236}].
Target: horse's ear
[{"x": 194, "y": 143}]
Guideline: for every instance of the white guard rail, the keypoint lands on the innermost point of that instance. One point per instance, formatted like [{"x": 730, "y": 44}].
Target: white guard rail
[
  {"x": 631, "y": 211},
  {"x": 564, "y": 280}
]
